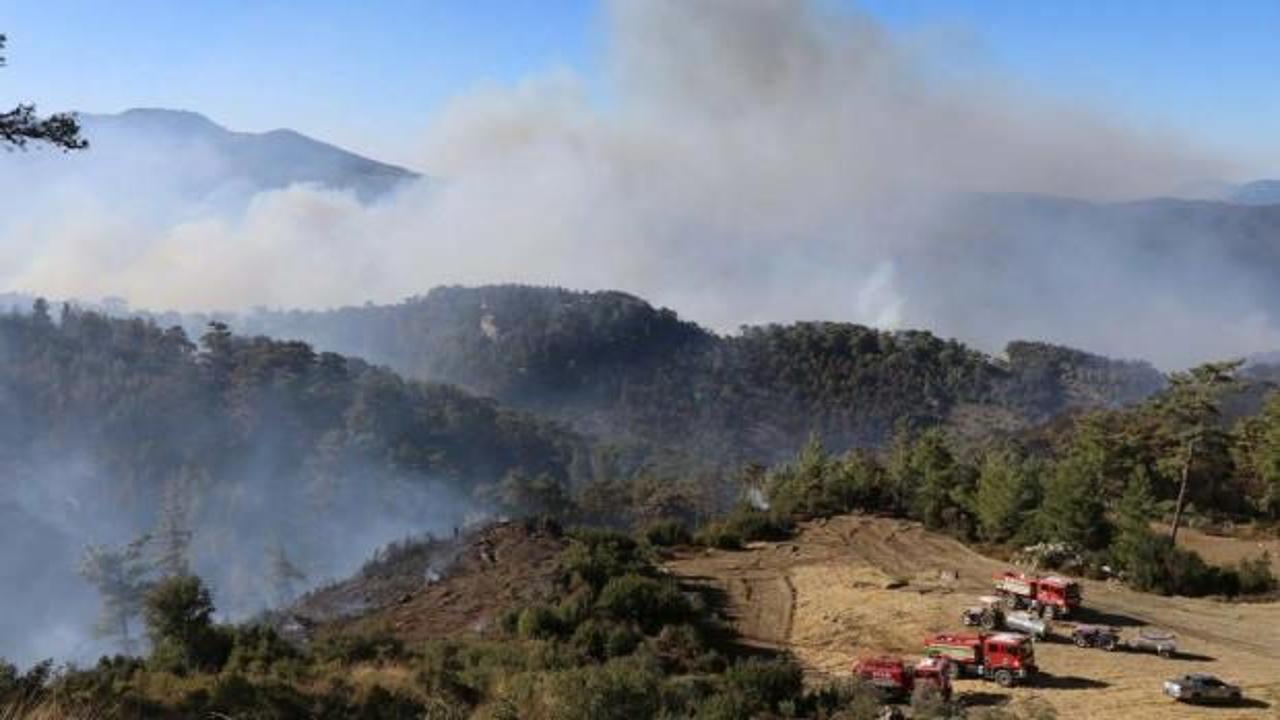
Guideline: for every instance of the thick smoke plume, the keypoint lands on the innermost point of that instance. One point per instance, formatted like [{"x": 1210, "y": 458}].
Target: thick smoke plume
[{"x": 751, "y": 161}]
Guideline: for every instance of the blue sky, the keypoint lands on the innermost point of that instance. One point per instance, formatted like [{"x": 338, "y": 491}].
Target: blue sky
[{"x": 369, "y": 75}]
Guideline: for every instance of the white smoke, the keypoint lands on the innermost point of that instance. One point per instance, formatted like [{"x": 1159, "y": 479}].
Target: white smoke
[{"x": 754, "y": 160}]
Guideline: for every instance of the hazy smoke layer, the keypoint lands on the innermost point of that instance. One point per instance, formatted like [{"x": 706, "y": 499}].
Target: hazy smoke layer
[{"x": 754, "y": 160}]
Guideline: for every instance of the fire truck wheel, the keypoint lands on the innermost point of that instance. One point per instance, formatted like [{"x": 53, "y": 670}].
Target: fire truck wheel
[
  {"x": 1003, "y": 678},
  {"x": 1050, "y": 612}
]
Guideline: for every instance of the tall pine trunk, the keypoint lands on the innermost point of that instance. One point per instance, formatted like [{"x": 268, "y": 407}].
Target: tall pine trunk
[{"x": 1182, "y": 492}]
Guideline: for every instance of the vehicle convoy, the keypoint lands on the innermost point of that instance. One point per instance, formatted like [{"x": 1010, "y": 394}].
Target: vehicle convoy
[
  {"x": 1201, "y": 687},
  {"x": 1006, "y": 658},
  {"x": 898, "y": 680},
  {"x": 1051, "y": 596},
  {"x": 991, "y": 615}
]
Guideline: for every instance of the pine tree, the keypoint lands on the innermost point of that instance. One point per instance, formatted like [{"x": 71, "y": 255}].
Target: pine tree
[
  {"x": 122, "y": 576},
  {"x": 1002, "y": 494},
  {"x": 1073, "y": 510},
  {"x": 172, "y": 538},
  {"x": 21, "y": 125},
  {"x": 1191, "y": 411}
]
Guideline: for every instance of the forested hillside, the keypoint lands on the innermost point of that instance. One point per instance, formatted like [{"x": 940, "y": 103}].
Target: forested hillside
[
  {"x": 235, "y": 455},
  {"x": 613, "y": 365}
]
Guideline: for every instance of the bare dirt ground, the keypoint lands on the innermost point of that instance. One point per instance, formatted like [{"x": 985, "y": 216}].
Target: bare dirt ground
[
  {"x": 858, "y": 585},
  {"x": 482, "y": 574},
  {"x": 1220, "y": 550}
]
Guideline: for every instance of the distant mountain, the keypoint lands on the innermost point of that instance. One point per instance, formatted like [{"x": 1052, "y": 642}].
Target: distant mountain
[
  {"x": 612, "y": 365},
  {"x": 173, "y": 165},
  {"x": 1259, "y": 192},
  {"x": 260, "y": 161}
]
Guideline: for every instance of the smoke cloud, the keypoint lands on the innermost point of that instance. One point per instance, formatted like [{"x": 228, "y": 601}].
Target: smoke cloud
[{"x": 752, "y": 161}]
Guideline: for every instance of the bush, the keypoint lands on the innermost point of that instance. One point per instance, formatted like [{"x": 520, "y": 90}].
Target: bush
[
  {"x": 718, "y": 535},
  {"x": 667, "y": 533},
  {"x": 763, "y": 684},
  {"x": 1255, "y": 575},
  {"x": 356, "y": 647},
  {"x": 18, "y": 688},
  {"x": 538, "y": 622},
  {"x": 647, "y": 602},
  {"x": 597, "y": 555},
  {"x": 259, "y": 649}
]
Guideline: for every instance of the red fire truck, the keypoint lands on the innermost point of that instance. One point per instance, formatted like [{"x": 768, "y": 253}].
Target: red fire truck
[
  {"x": 897, "y": 680},
  {"x": 1052, "y": 596},
  {"x": 1006, "y": 658}
]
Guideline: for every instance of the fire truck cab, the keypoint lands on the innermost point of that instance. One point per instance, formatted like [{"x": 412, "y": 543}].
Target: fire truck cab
[{"x": 897, "y": 680}]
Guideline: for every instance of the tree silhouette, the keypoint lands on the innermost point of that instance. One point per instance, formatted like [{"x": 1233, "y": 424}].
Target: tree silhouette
[
  {"x": 1191, "y": 411},
  {"x": 22, "y": 125},
  {"x": 122, "y": 577}
]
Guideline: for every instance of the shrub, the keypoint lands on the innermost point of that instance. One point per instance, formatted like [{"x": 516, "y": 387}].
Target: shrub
[
  {"x": 667, "y": 533},
  {"x": 718, "y": 535},
  {"x": 538, "y": 622},
  {"x": 18, "y": 688},
  {"x": 1255, "y": 575},
  {"x": 619, "y": 689},
  {"x": 647, "y": 602},
  {"x": 355, "y": 647},
  {"x": 597, "y": 555},
  {"x": 680, "y": 646},
  {"x": 259, "y": 649},
  {"x": 763, "y": 684}
]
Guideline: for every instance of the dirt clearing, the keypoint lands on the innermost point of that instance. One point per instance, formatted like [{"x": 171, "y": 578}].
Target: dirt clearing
[{"x": 856, "y": 585}]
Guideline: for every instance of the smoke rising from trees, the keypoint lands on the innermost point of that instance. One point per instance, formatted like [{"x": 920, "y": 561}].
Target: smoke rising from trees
[{"x": 753, "y": 161}]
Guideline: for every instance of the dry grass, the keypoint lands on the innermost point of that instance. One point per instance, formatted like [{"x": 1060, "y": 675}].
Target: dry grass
[
  {"x": 840, "y": 609},
  {"x": 50, "y": 710}
]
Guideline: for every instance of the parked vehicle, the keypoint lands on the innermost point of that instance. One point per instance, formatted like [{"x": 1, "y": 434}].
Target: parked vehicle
[
  {"x": 1099, "y": 636},
  {"x": 1050, "y": 596},
  {"x": 1162, "y": 643},
  {"x": 1201, "y": 687},
  {"x": 1005, "y": 658},
  {"x": 898, "y": 680},
  {"x": 991, "y": 615}
]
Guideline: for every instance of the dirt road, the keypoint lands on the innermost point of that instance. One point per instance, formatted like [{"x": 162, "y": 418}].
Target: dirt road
[{"x": 856, "y": 585}]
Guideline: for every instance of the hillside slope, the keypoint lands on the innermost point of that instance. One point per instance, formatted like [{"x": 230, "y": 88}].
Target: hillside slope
[
  {"x": 613, "y": 365},
  {"x": 826, "y": 596},
  {"x": 230, "y": 453}
]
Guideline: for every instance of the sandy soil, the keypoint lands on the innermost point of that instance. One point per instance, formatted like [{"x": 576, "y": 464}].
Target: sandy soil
[
  {"x": 836, "y": 593},
  {"x": 1220, "y": 550}
]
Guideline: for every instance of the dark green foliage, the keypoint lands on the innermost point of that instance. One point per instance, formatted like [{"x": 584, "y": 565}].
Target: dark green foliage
[
  {"x": 21, "y": 125},
  {"x": 1006, "y": 492},
  {"x": 1255, "y": 576},
  {"x": 648, "y": 602},
  {"x": 351, "y": 648},
  {"x": 538, "y": 622},
  {"x": 595, "y": 556},
  {"x": 1073, "y": 510},
  {"x": 628, "y": 370},
  {"x": 667, "y": 533},
  {"x": 761, "y": 686},
  {"x": 178, "y": 612},
  {"x": 259, "y": 650}
]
